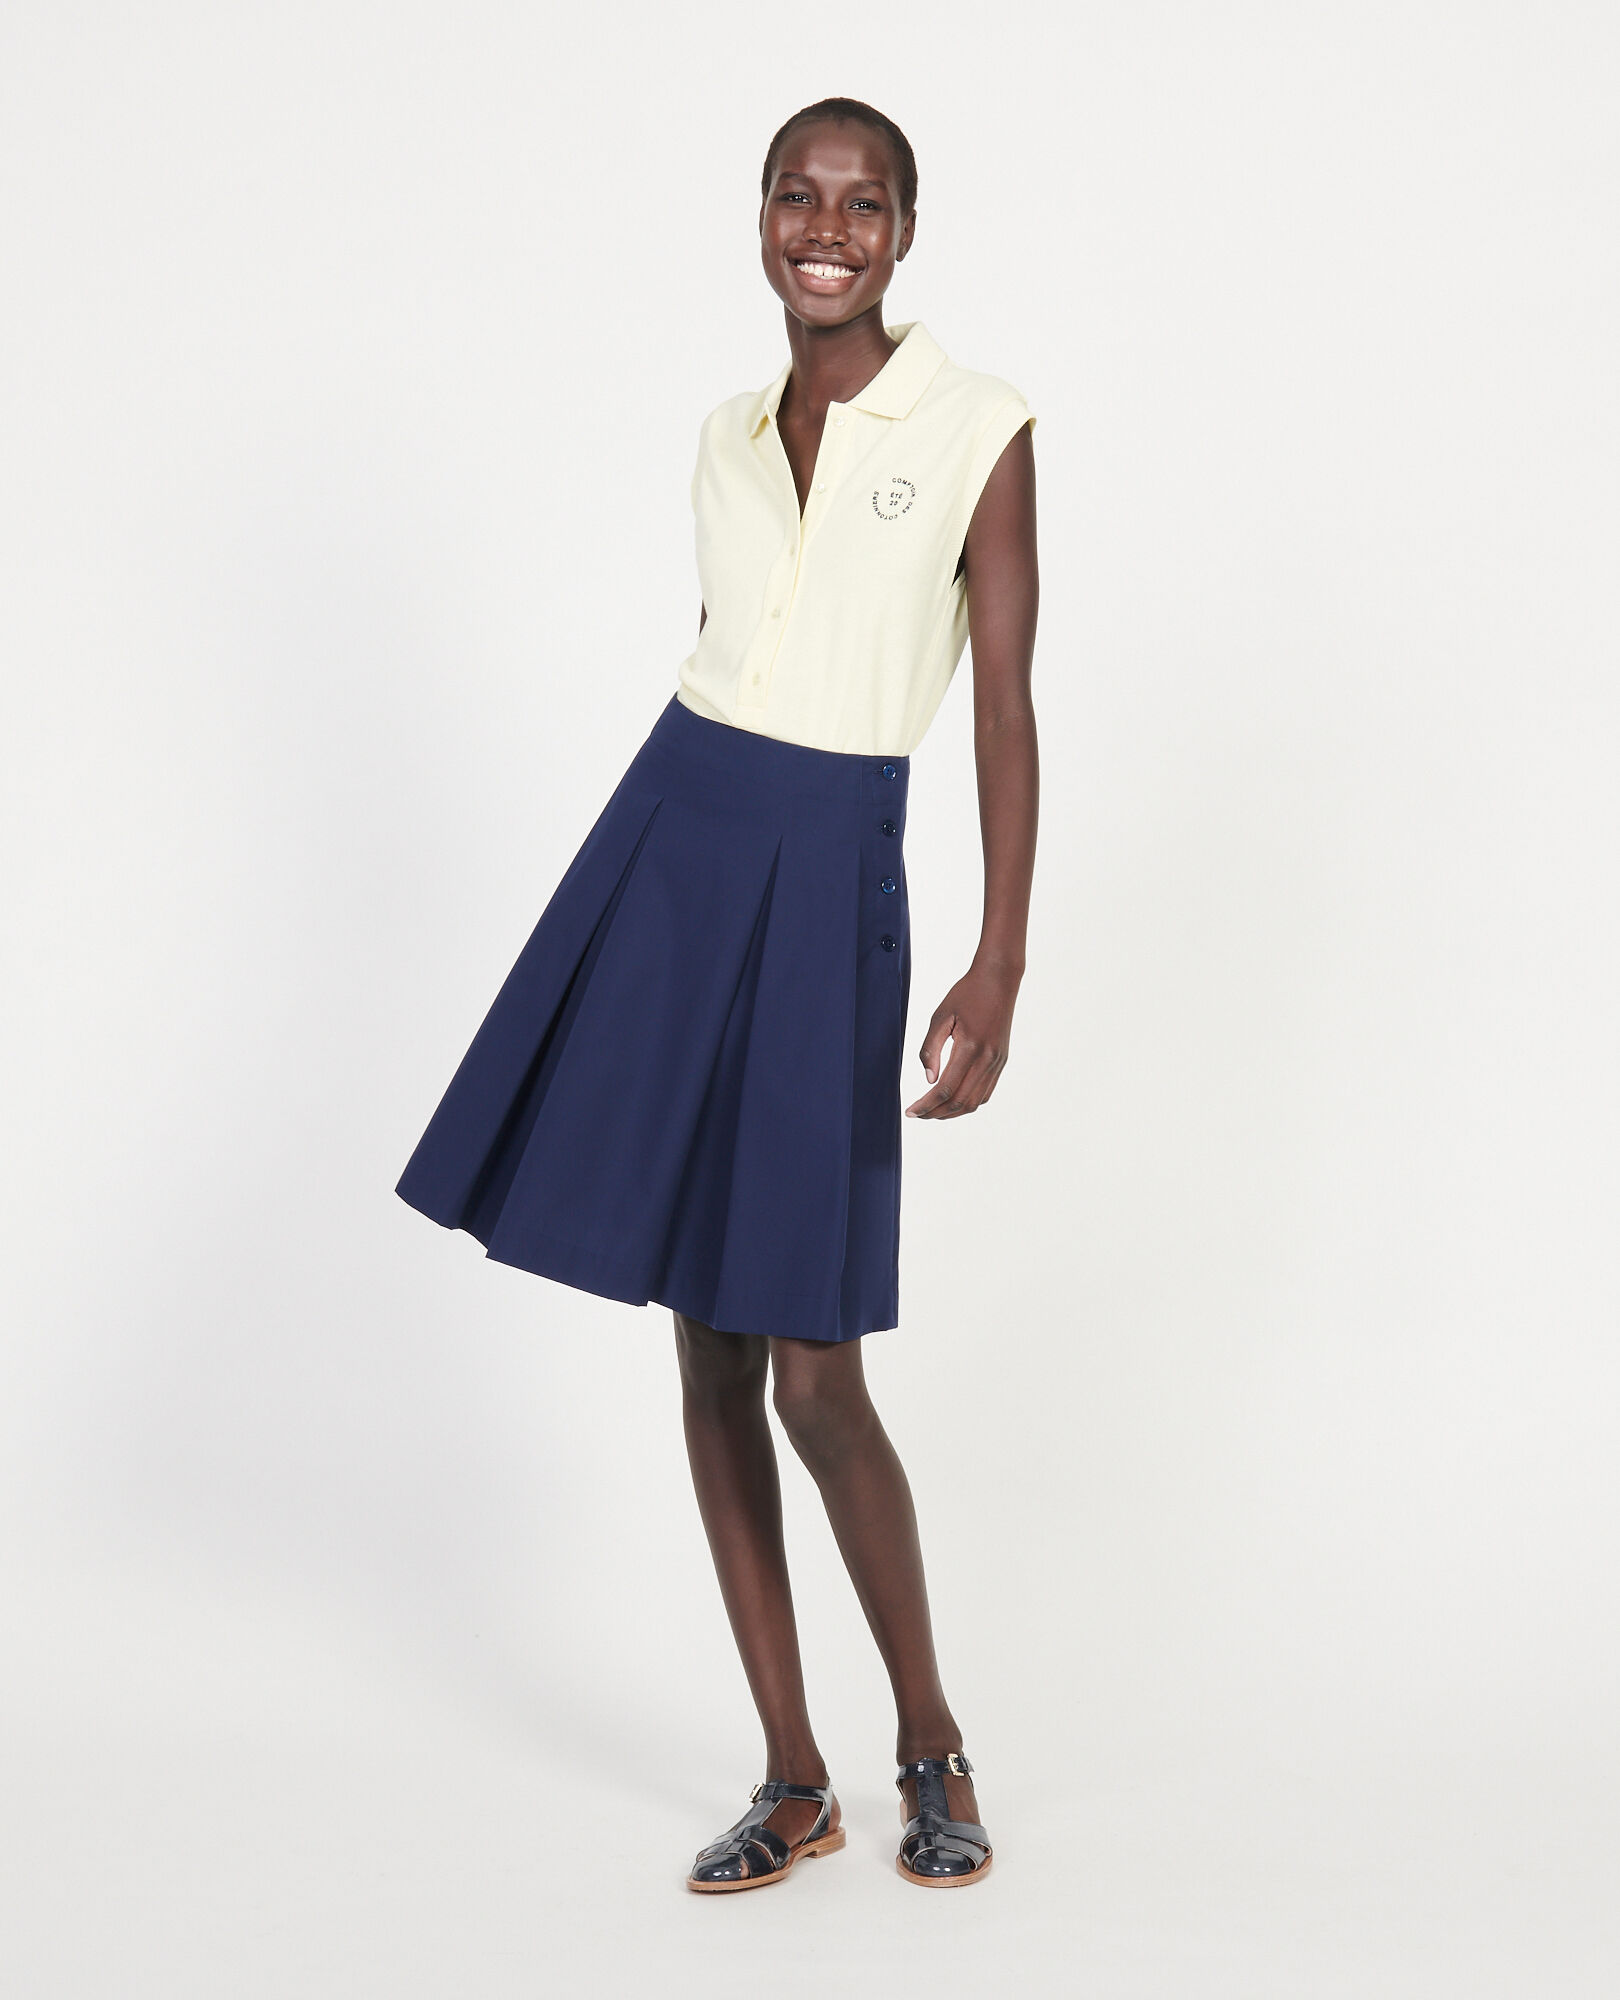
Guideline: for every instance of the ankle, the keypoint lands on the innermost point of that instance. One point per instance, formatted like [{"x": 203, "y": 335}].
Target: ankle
[
  {"x": 938, "y": 1739},
  {"x": 795, "y": 1764}
]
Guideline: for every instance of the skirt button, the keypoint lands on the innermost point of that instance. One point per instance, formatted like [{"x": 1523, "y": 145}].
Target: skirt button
[
  {"x": 888, "y": 770},
  {"x": 886, "y": 941},
  {"x": 887, "y": 885},
  {"x": 890, "y": 827}
]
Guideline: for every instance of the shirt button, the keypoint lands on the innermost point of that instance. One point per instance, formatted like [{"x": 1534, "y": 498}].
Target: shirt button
[
  {"x": 837, "y": 423},
  {"x": 821, "y": 485},
  {"x": 886, "y": 941},
  {"x": 890, "y": 827},
  {"x": 887, "y": 885},
  {"x": 776, "y": 610},
  {"x": 888, "y": 770},
  {"x": 756, "y": 680}
]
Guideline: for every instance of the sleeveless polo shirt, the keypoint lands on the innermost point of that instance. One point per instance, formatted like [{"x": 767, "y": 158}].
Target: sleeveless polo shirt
[{"x": 841, "y": 630}]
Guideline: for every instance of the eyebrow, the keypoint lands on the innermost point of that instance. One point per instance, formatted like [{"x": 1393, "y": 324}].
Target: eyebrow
[{"x": 791, "y": 174}]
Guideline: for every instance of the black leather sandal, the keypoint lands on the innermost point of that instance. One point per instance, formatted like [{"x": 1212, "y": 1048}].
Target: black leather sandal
[
  {"x": 751, "y": 1854},
  {"x": 936, "y": 1851}
]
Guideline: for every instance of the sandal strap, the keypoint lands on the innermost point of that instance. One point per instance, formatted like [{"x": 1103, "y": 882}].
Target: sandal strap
[
  {"x": 954, "y": 1764},
  {"x": 778, "y": 1788},
  {"x": 930, "y": 1774},
  {"x": 931, "y": 1837},
  {"x": 932, "y": 1827}
]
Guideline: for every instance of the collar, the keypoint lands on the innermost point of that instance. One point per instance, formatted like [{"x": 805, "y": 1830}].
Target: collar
[{"x": 892, "y": 392}]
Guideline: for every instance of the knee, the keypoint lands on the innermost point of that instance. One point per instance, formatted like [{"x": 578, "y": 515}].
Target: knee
[
  {"x": 823, "y": 1423},
  {"x": 719, "y": 1369}
]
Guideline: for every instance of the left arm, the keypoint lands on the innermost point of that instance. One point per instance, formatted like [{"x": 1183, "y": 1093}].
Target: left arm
[{"x": 1003, "y": 586}]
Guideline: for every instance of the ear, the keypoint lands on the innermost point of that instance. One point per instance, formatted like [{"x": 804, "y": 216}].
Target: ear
[{"x": 907, "y": 230}]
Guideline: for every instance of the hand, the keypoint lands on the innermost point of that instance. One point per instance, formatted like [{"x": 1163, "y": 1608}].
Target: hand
[{"x": 975, "y": 1017}]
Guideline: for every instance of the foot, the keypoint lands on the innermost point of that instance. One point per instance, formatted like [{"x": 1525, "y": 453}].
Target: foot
[
  {"x": 943, "y": 1845},
  {"x": 760, "y": 1848}
]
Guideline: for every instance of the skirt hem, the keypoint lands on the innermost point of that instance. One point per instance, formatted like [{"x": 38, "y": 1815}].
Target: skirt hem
[{"x": 562, "y": 1265}]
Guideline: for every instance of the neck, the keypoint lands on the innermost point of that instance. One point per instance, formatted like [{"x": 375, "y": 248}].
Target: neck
[{"x": 832, "y": 364}]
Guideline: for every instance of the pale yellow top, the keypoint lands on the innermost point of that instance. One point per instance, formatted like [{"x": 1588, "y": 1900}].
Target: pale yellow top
[{"x": 842, "y": 630}]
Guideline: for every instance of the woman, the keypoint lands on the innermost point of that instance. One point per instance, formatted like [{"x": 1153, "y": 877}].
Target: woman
[{"x": 687, "y": 1091}]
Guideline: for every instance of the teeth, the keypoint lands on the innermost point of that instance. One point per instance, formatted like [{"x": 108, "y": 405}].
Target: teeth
[{"x": 825, "y": 270}]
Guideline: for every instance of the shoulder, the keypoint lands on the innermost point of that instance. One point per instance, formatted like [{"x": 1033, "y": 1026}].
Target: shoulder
[
  {"x": 969, "y": 400},
  {"x": 731, "y": 418},
  {"x": 980, "y": 414}
]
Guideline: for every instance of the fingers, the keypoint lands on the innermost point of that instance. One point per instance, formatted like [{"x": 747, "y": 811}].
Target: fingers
[
  {"x": 969, "y": 1080},
  {"x": 933, "y": 1048}
]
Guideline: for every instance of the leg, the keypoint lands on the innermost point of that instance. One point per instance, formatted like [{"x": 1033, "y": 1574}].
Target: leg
[
  {"x": 728, "y": 1442},
  {"x": 822, "y": 1399}
]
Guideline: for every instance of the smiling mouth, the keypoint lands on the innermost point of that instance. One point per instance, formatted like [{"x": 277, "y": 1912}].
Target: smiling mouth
[{"x": 820, "y": 267}]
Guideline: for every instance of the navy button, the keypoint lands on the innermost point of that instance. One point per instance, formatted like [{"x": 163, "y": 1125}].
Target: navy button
[
  {"x": 888, "y": 770},
  {"x": 886, "y": 941},
  {"x": 890, "y": 827},
  {"x": 888, "y": 885}
]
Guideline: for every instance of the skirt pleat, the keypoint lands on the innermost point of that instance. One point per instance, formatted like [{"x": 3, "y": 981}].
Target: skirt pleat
[{"x": 687, "y": 1088}]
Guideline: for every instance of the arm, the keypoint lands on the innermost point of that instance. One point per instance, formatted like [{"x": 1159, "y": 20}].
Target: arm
[{"x": 1003, "y": 586}]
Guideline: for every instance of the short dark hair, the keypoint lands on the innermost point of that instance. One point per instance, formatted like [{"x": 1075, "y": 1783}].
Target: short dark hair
[{"x": 851, "y": 110}]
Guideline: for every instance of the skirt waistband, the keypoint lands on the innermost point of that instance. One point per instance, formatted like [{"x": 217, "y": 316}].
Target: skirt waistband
[{"x": 743, "y": 756}]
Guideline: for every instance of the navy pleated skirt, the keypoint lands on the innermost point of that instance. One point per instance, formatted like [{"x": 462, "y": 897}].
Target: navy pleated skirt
[{"x": 688, "y": 1089}]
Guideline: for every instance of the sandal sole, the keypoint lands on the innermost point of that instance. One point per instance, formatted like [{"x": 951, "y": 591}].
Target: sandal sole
[{"x": 829, "y": 1843}]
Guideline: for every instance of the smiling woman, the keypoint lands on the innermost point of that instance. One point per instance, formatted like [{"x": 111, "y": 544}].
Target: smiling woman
[
  {"x": 688, "y": 1088},
  {"x": 831, "y": 226}
]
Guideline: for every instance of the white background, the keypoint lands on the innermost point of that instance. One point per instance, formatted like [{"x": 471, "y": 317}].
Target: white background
[{"x": 1258, "y": 1373}]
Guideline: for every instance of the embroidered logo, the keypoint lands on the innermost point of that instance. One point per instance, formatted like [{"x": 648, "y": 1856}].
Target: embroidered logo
[{"x": 891, "y": 502}]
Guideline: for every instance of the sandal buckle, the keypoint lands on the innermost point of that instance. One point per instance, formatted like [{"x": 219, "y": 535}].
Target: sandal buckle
[
  {"x": 957, "y": 1764},
  {"x": 753, "y": 1796}
]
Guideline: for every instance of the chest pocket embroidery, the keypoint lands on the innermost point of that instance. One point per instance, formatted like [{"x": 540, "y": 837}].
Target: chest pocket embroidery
[{"x": 891, "y": 501}]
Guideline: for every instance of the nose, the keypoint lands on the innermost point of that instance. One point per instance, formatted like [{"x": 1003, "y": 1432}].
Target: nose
[{"x": 828, "y": 227}]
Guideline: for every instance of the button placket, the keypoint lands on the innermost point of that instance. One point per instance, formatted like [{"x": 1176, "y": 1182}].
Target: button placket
[
  {"x": 755, "y": 692},
  {"x": 781, "y": 613},
  {"x": 824, "y": 473},
  {"x": 887, "y": 905},
  {"x": 781, "y": 588}
]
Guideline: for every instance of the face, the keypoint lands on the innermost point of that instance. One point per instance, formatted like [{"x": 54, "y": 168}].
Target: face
[{"x": 830, "y": 228}]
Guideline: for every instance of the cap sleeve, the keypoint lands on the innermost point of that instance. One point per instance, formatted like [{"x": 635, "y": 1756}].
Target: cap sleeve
[{"x": 1006, "y": 420}]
